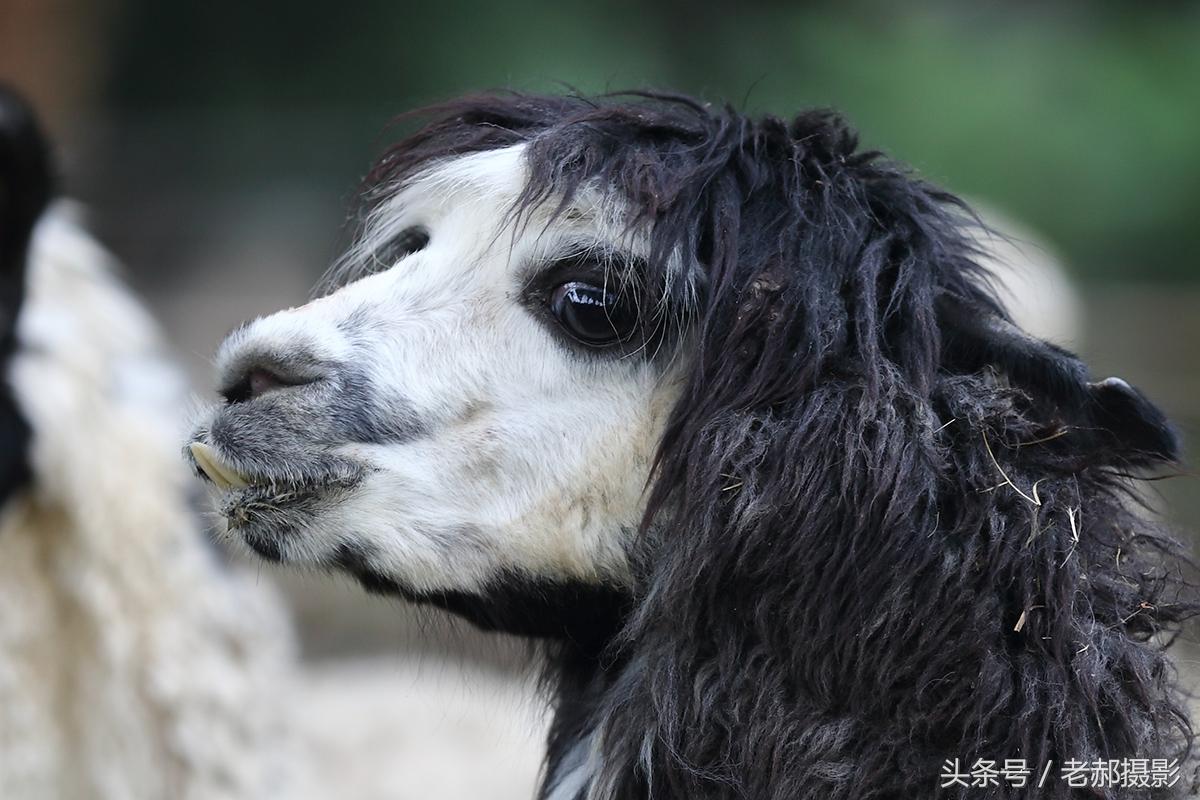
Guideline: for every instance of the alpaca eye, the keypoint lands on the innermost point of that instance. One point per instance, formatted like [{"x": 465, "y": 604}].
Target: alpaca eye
[
  {"x": 592, "y": 315},
  {"x": 405, "y": 243}
]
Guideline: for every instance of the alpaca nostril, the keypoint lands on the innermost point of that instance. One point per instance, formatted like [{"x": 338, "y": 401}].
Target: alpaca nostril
[
  {"x": 258, "y": 381},
  {"x": 262, "y": 381}
]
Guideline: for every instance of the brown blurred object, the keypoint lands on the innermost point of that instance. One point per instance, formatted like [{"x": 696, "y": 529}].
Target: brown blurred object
[{"x": 55, "y": 53}]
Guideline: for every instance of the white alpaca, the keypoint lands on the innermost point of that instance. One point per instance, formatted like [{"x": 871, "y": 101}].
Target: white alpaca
[{"x": 133, "y": 664}]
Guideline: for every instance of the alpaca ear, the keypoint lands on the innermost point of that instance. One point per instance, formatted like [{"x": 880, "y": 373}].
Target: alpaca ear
[
  {"x": 1132, "y": 420},
  {"x": 1111, "y": 419},
  {"x": 25, "y": 188}
]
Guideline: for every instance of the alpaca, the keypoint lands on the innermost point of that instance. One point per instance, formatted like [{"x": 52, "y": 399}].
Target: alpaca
[
  {"x": 133, "y": 663},
  {"x": 724, "y": 413}
]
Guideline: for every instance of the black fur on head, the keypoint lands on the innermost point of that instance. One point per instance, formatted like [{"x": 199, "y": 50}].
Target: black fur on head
[
  {"x": 886, "y": 528},
  {"x": 25, "y": 189}
]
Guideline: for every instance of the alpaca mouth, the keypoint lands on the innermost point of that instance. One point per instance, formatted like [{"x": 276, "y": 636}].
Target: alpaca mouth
[{"x": 251, "y": 495}]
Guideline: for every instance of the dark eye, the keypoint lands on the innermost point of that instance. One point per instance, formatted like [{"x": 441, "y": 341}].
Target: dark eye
[
  {"x": 405, "y": 243},
  {"x": 592, "y": 315}
]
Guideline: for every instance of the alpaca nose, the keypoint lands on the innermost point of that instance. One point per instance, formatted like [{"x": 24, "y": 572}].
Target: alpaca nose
[{"x": 258, "y": 379}]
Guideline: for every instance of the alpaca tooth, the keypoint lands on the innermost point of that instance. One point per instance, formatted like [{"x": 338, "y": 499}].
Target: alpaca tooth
[
  {"x": 207, "y": 467},
  {"x": 221, "y": 474},
  {"x": 235, "y": 479}
]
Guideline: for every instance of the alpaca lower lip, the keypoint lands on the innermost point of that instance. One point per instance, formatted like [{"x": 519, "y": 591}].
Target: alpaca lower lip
[
  {"x": 265, "y": 517},
  {"x": 262, "y": 495},
  {"x": 256, "y": 503},
  {"x": 263, "y": 501}
]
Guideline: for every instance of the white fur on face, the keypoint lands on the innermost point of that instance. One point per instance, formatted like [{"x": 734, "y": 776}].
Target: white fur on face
[{"x": 492, "y": 444}]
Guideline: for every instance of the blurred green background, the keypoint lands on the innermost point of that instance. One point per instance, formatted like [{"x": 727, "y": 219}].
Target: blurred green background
[
  {"x": 1084, "y": 117},
  {"x": 218, "y": 145}
]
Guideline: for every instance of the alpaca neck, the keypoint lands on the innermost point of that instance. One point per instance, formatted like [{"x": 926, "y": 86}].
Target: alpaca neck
[{"x": 583, "y": 681}]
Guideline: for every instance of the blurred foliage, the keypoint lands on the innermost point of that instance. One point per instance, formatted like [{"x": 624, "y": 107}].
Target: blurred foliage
[{"x": 1081, "y": 118}]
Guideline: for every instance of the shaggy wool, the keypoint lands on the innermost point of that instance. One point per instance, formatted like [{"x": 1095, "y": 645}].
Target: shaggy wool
[{"x": 886, "y": 527}]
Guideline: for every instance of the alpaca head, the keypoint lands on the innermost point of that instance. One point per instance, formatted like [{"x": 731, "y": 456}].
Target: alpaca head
[
  {"x": 478, "y": 392},
  {"x": 742, "y": 390},
  {"x": 474, "y": 398}
]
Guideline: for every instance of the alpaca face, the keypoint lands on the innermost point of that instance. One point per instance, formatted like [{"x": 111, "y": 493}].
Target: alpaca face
[{"x": 477, "y": 397}]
